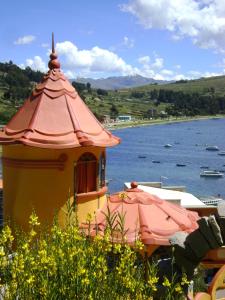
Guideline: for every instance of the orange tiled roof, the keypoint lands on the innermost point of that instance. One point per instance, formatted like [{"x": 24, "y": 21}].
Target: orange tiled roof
[
  {"x": 146, "y": 216},
  {"x": 54, "y": 116}
]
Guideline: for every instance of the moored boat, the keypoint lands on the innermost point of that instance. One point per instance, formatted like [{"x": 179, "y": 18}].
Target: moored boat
[
  {"x": 211, "y": 173},
  {"x": 168, "y": 146},
  {"x": 222, "y": 153},
  {"x": 212, "y": 148}
]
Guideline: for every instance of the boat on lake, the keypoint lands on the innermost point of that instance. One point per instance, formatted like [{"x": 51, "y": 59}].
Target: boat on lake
[
  {"x": 168, "y": 146},
  {"x": 212, "y": 148},
  {"x": 211, "y": 173},
  {"x": 141, "y": 156},
  {"x": 211, "y": 200},
  {"x": 222, "y": 153},
  {"x": 181, "y": 165},
  {"x": 156, "y": 162}
]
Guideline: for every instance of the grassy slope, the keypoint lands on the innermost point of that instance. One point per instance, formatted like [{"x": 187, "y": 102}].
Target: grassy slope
[
  {"x": 199, "y": 85},
  {"x": 124, "y": 103}
]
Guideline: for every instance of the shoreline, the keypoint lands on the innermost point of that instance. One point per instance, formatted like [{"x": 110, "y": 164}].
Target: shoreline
[{"x": 140, "y": 123}]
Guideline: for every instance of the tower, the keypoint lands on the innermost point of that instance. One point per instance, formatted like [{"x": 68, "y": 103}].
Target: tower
[{"x": 53, "y": 153}]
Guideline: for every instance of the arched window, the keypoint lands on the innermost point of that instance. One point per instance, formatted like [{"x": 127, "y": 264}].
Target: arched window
[
  {"x": 86, "y": 173},
  {"x": 101, "y": 170}
]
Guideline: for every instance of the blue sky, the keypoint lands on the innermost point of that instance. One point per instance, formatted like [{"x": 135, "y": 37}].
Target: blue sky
[{"x": 161, "y": 39}]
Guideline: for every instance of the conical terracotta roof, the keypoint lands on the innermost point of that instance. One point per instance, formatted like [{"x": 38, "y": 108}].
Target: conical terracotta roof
[
  {"x": 54, "y": 116},
  {"x": 146, "y": 217}
]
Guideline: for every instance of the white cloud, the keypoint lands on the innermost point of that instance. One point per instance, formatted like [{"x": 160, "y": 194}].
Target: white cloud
[
  {"x": 193, "y": 74},
  {"x": 167, "y": 72},
  {"x": 144, "y": 60},
  {"x": 95, "y": 60},
  {"x": 203, "y": 20},
  {"x": 154, "y": 68},
  {"x": 150, "y": 68},
  {"x": 98, "y": 62},
  {"x": 180, "y": 77},
  {"x": 158, "y": 63},
  {"x": 36, "y": 64},
  {"x": 129, "y": 43},
  {"x": 27, "y": 39}
]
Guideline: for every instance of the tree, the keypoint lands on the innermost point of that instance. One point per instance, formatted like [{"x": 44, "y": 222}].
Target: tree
[
  {"x": 88, "y": 85},
  {"x": 113, "y": 111},
  {"x": 102, "y": 92},
  {"x": 79, "y": 86}
]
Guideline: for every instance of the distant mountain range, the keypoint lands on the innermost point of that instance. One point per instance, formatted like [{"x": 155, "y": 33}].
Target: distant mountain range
[{"x": 119, "y": 82}]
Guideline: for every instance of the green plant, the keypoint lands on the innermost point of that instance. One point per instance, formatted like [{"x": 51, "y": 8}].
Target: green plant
[{"x": 64, "y": 263}]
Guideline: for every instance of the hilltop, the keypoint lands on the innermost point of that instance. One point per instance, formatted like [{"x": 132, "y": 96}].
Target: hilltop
[
  {"x": 119, "y": 82},
  {"x": 201, "y": 85}
]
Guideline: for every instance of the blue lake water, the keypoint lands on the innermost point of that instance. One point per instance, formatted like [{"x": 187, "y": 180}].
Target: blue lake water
[{"x": 188, "y": 140}]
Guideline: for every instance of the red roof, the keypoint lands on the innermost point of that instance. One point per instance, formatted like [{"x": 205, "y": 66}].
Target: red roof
[
  {"x": 54, "y": 116},
  {"x": 146, "y": 216}
]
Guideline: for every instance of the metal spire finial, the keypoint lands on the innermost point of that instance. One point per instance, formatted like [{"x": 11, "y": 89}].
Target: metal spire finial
[
  {"x": 53, "y": 63},
  {"x": 53, "y": 43}
]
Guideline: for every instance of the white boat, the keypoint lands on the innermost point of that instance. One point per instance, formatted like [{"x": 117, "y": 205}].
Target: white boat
[
  {"x": 222, "y": 153},
  {"x": 211, "y": 173},
  {"x": 211, "y": 200},
  {"x": 212, "y": 148},
  {"x": 168, "y": 146}
]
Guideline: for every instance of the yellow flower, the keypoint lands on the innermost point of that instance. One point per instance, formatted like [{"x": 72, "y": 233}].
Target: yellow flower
[
  {"x": 25, "y": 246},
  {"x": 30, "y": 280},
  {"x": 6, "y": 235},
  {"x": 139, "y": 245},
  {"x": 166, "y": 282},
  {"x": 117, "y": 248},
  {"x": 32, "y": 233},
  {"x": 122, "y": 195},
  {"x": 152, "y": 283},
  {"x": 85, "y": 281},
  {"x": 89, "y": 218},
  {"x": 184, "y": 280},
  {"x": 2, "y": 252},
  {"x": 178, "y": 289},
  {"x": 33, "y": 220}
]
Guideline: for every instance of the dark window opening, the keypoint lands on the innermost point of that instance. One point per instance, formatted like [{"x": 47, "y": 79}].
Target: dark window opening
[
  {"x": 86, "y": 173},
  {"x": 101, "y": 171}
]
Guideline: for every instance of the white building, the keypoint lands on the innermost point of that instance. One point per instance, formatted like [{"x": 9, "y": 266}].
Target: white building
[
  {"x": 186, "y": 200},
  {"x": 124, "y": 118}
]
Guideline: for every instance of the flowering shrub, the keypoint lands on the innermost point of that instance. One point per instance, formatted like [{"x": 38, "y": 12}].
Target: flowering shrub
[{"x": 58, "y": 263}]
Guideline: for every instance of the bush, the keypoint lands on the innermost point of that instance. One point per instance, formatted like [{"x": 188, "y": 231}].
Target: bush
[{"x": 56, "y": 263}]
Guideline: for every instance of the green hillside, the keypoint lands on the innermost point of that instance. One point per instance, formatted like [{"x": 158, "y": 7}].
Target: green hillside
[
  {"x": 15, "y": 86},
  {"x": 201, "y": 85},
  {"x": 204, "y": 96}
]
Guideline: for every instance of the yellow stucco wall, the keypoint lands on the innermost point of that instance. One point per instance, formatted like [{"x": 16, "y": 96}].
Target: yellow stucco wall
[{"x": 44, "y": 190}]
